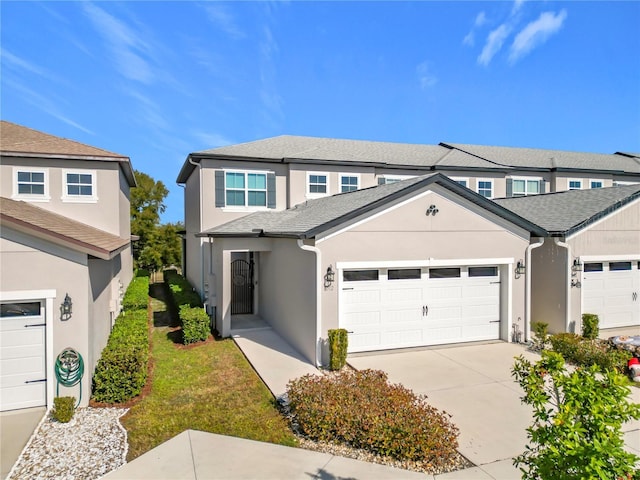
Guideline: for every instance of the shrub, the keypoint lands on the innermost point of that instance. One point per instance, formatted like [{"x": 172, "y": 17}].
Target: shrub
[
  {"x": 195, "y": 324},
  {"x": 590, "y": 326},
  {"x": 584, "y": 352},
  {"x": 63, "y": 409},
  {"x": 182, "y": 292},
  {"x": 338, "y": 342},
  {"x": 363, "y": 410},
  {"x": 578, "y": 418},
  {"x": 121, "y": 372},
  {"x": 137, "y": 294},
  {"x": 540, "y": 334}
]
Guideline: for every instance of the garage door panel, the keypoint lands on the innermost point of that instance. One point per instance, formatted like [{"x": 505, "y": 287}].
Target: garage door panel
[
  {"x": 358, "y": 297},
  {"x": 445, "y": 293},
  {"x": 403, "y": 337},
  {"x": 403, "y": 295},
  {"x": 363, "y": 319},
  {"x": 359, "y": 342},
  {"x": 23, "y": 396},
  {"x": 27, "y": 366},
  {"x": 410, "y": 315}
]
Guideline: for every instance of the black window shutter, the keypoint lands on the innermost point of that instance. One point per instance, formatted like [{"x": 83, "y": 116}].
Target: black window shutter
[
  {"x": 271, "y": 190},
  {"x": 509, "y": 187},
  {"x": 542, "y": 186},
  {"x": 220, "y": 188}
]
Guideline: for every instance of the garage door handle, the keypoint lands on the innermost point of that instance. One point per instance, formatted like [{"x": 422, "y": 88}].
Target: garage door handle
[
  {"x": 36, "y": 325},
  {"x": 36, "y": 381},
  {"x": 635, "y": 296},
  {"x": 348, "y": 288},
  {"x": 425, "y": 310},
  {"x": 494, "y": 321}
]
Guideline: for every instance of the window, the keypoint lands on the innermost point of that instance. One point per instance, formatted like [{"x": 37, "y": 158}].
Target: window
[
  {"x": 596, "y": 183},
  {"x": 360, "y": 275},
  {"x": 521, "y": 187},
  {"x": 593, "y": 267},
  {"x": 79, "y": 185},
  {"x": 485, "y": 188},
  {"x": 244, "y": 189},
  {"x": 614, "y": 266},
  {"x": 349, "y": 183},
  {"x": 317, "y": 184},
  {"x": 444, "y": 272},
  {"x": 20, "y": 309},
  {"x": 404, "y": 274},
  {"x": 483, "y": 271},
  {"x": 30, "y": 184},
  {"x": 461, "y": 181},
  {"x": 575, "y": 184},
  {"x": 383, "y": 180}
]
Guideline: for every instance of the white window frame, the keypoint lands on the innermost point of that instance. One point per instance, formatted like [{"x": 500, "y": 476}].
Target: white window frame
[
  {"x": 246, "y": 207},
  {"x": 490, "y": 180},
  {"x": 341, "y": 176},
  {"x": 395, "y": 178},
  {"x": 318, "y": 194},
  {"x": 525, "y": 179},
  {"x": 45, "y": 197},
  {"x": 596, "y": 180},
  {"x": 93, "y": 198},
  {"x": 622, "y": 183},
  {"x": 579, "y": 180},
  {"x": 461, "y": 179}
]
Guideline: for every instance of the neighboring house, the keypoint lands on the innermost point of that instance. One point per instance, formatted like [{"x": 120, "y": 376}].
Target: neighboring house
[
  {"x": 589, "y": 259},
  {"x": 65, "y": 233}
]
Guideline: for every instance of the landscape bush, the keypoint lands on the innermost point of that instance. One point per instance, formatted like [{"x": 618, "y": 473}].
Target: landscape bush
[
  {"x": 338, "y": 343},
  {"x": 578, "y": 418},
  {"x": 590, "y": 326},
  {"x": 182, "y": 292},
  {"x": 121, "y": 372},
  {"x": 137, "y": 294},
  {"x": 63, "y": 409},
  {"x": 585, "y": 352},
  {"x": 195, "y": 324},
  {"x": 363, "y": 410},
  {"x": 540, "y": 335}
]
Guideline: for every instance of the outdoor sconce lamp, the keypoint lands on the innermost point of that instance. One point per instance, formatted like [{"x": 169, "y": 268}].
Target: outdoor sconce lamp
[
  {"x": 432, "y": 210},
  {"x": 577, "y": 266},
  {"x": 65, "y": 308},
  {"x": 329, "y": 277},
  {"x": 520, "y": 268}
]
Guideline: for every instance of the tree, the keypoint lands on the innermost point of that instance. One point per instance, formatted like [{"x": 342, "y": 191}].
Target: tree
[{"x": 578, "y": 418}]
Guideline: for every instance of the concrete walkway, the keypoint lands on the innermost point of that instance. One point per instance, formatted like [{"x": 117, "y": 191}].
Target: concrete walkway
[{"x": 16, "y": 428}]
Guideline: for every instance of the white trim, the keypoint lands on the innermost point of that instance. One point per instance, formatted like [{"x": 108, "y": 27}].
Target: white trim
[
  {"x": 316, "y": 194},
  {"x": 341, "y": 175},
  {"x": 45, "y": 197},
  {"x": 246, "y": 207},
  {"x": 596, "y": 180},
  {"x": 609, "y": 258},
  {"x": 93, "y": 198},
  {"x": 395, "y": 178},
  {"x": 48, "y": 296},
  {"x": 622, "y": 183},
  {"x": 606, "y": 217},
  {"x": 491, "y": 181},
  {"x": 580, "y": 180},
  {"x": 540, "y": 181},
  {"x": 431, "y": 262},
  {"x": 461, "y": 179}
]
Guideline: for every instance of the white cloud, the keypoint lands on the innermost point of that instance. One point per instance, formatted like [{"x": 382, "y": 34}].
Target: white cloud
[
  {"x": 220, "y": 16},
  {"x": 517, "y": 5},
  {"x": 212, "y": 140},
  {"x": 481, "y": 19},
  {"x": 426, "y": 77},
  {"x": 536, "y": 33},
  {"x": 494, "y": 43},
  {"x": 469, "y": 39}
]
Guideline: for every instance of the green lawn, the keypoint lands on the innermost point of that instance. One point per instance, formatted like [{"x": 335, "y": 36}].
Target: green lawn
[{"x": 209, "y": 387}]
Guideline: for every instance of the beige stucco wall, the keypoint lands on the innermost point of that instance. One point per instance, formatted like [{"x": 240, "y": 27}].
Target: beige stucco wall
[
  {"x": 549, "y": 285},
  {"x": 459, "y": 231}
]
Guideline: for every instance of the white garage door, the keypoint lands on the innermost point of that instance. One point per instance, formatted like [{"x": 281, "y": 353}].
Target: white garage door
[
  {"x": 408, "y": 307},
  {"x": 611, "y": 290},
  {"x": 22, "y": 355}
]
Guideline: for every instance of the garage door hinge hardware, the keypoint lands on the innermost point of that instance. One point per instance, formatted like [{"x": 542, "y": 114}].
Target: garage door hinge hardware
[
  {"x": 36, "y": 381},
  {"x": 36, "y": 325},
  {"x": 494, "y": 321},
  {"x": 494, "y": 283}
]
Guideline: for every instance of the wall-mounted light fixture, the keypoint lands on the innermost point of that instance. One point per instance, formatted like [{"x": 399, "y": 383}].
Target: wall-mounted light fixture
[
  {"x": 66, "y": 308},
  {"x": 329, "y": 277},
  {"x": 576, "y": 283},
  {"x": 432, "y": 210},
  {"x": 577, "y": 266},
  {"x": 520, "y": 268}
]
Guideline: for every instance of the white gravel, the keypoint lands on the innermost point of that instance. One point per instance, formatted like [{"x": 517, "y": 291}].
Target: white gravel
[{"x": 91, "y": 445}]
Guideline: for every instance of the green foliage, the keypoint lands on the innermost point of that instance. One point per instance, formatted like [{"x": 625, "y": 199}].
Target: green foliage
[
  {"x": 195, "y": 324},
  {"x": 578, "y": 418},
  {"x": 581, "y": 351},
  {"x": 338, "y": 342},
  {"x": 590, "y": 326},
  {"x": 363, "y": 410},
  {"x": 141, "y": 272},
  {"x": 63, "y": 409},
  {"x": 541, "y": 334},
  {"x": 121, "y": 372},
  {"x": 137, "y": 294},
  {"x": 181, "y": 290}
]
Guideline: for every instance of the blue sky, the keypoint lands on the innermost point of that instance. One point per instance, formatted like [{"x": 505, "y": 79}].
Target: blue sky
[{"x": 158, "y": 80}]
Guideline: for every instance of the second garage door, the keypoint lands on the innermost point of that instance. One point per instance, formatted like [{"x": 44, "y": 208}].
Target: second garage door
[{"x": 389, "y": 308}]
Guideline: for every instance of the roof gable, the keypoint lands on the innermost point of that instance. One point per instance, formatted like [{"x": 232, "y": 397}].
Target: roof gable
[{"x": 60, "y": 229}]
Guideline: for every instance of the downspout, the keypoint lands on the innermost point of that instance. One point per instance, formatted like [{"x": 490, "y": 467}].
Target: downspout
[
  {"x": 527, "y": 288},
  {"x": 568, "y": 282},
  {"x": 196, "y": 164},
  {"x": 317, "y": 252}
]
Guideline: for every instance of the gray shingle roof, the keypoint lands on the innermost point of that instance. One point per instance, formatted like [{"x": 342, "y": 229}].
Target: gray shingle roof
[
  {"x": 563, "y": 213},
  {"x": 59, "y": 229}
]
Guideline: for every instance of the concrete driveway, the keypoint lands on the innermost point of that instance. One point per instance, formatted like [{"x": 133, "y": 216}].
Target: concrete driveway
[{"x": 473, "y": 384}]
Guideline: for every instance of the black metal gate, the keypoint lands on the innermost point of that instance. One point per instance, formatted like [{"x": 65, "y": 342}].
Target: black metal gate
[{"x": 241, "y": 287}]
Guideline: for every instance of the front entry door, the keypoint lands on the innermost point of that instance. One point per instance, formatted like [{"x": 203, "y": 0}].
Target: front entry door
[{"x": 241, "y": 287}]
